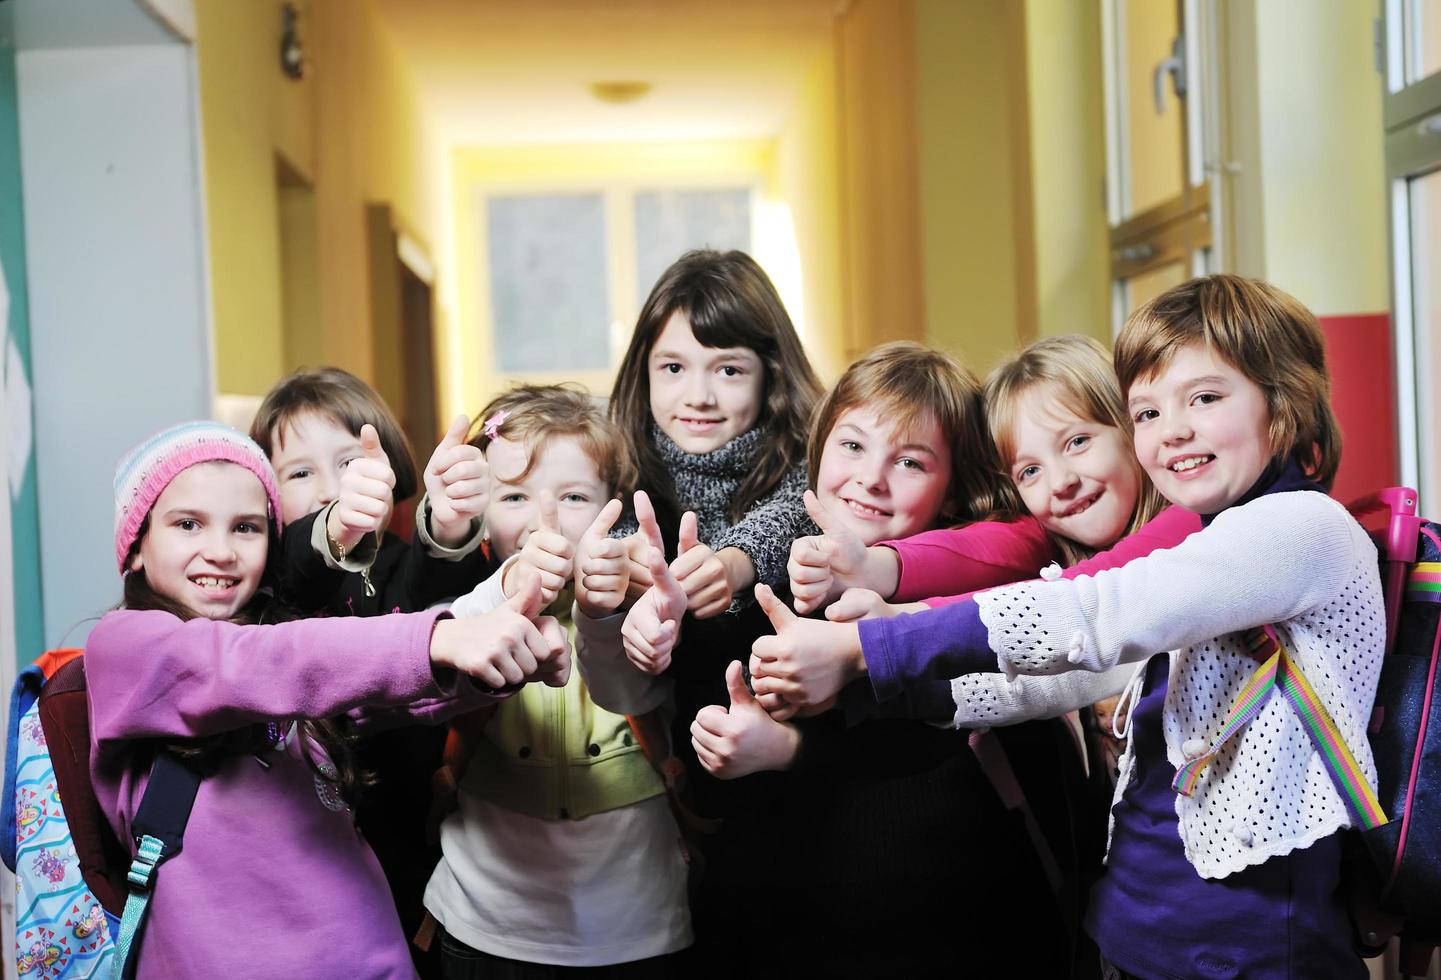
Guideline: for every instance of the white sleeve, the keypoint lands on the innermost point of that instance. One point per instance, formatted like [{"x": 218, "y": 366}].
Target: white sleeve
[
  {"x": 486, "y": 596},
  {"x": 1263, "y": 562},
  {"x": 615, "y": 683},
  {"x": 990, "y": 700}
]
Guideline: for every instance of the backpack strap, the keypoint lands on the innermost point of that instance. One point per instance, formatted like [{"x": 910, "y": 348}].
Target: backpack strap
[
  {"x": 159, "y": 828},
  {"x": 1279, "y": 672}
]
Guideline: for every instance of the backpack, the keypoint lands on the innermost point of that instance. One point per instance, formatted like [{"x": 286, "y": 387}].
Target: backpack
[
  {"x": 80, "y": 898},
  {"x": 1395, "y": 880}
]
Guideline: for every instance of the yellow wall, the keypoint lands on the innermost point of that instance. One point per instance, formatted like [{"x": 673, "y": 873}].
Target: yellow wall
[
  {"x": 974, "y": 241},
  {"x": 1068, "y": 168},
  {"x": 880, "y": 185},
  {"x": 1322, "y": 171},
  {"x": 808, "y": 166},
  {"x": 353, "y": 130}
]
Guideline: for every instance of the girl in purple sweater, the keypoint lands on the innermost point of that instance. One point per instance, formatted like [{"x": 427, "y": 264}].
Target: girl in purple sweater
[{"x": 273, "y": 879}]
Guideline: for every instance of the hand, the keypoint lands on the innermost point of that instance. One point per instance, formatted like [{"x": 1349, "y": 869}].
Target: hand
[
  {"x": 639, "y": 546},
  {"x": 501, "y": 648},
  {"x": 743, "y": 740},
  {"x": 602, "y": 568},
  {"x": 652, "y": 626},
  {"x": 782, "y": 710},
  {"x": 554, "y": 672},
  {"x": 700, "y": 572},
  {"x": 457, "y": 485},
  {"x": 821, "y": 565},
  {"x": 857, "y": 604},
  {"x": 806, "y": 662},
  {"x": 547, "y": 552},
  {"x": 364, "y": 502}
]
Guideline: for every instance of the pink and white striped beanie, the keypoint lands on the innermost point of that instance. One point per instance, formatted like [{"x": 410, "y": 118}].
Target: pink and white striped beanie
[{"x": 143, "y": 473}]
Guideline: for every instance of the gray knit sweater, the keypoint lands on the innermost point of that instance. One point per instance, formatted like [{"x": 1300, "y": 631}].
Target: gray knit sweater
[{"x": 705, "y": 484}]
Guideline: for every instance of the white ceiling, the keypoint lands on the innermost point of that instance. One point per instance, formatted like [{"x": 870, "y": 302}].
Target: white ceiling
[{"x": 495, "y": 72}]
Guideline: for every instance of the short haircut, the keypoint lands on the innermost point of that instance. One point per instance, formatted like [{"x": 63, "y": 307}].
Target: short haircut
[
  {"x": 906, "y": 382},
  {"x": 1266, "y": 334},
  {"x": 348, "y": 402},
  {"x": 535, "y": 413}
]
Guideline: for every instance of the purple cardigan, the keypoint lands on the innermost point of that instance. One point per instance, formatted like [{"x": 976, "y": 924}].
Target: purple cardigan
[{"x": 272, "y": 880}]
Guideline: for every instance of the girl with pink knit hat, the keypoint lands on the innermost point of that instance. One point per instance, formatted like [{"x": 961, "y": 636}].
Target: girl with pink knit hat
[{"x": 265, "y": 715}]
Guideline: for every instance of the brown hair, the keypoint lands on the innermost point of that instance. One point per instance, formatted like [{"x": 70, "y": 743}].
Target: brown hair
[
  {"x": 347, "y": 401},
  {"x": 906, "y": 383},
  {"x": 1076, "y": 373},
  {"x": 730, "y": 302},
  {"x": 535, "y": 413},
  {"x": 336, "y": 736},
  {"x": 1267, "y": 335}
]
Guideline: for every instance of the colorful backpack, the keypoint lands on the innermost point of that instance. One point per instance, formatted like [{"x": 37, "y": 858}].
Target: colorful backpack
[
  {"x": 80, "y": 897},
  {"x": 1397, "y": 889}
]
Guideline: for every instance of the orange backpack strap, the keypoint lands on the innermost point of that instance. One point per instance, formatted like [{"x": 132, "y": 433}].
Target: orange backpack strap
[
  {"x": 461, "y": 741},
  {"x": 652, "y": 734}
]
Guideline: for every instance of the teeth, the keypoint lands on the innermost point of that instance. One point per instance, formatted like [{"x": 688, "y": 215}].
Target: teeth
[
  {"x": 865, "y": 510},
  {"x": 1189, "y": 464},
  {"x": 213, "y": 582}
]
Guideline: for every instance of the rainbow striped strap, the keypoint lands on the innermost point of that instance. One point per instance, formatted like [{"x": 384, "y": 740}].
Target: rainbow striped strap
[
  {"x": 1280, "y": 672},
  {"x": 1424, "y": 582}
]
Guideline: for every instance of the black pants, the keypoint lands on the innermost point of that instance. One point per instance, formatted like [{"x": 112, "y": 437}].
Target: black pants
[{"x": 461, "y": 962}]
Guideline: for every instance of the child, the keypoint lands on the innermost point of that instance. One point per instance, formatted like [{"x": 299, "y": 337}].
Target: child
[
  {"x": 1239, "y": 874},
  {"x": 343, "y": 561},
  {"x": 271, "y": 858},
  {"x": 897, "y": 445},
  {"x": 563, "y": 851},
  {"x": 343, "y": 462},
  {"x": 711, "y": 401},
  {"x": 1061, "y": 432}
]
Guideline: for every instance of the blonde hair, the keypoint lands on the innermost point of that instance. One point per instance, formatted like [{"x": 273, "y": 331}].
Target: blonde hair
[
  {"x": 1266, "y": 334},
  {"x": 531, "y": 414},
  {"x": 906, "y": 382},
  {"x": 1076, "y": 373}
]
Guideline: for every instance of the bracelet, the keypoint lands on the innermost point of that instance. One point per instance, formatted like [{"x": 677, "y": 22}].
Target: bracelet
[{"x": 336, "y": 549}]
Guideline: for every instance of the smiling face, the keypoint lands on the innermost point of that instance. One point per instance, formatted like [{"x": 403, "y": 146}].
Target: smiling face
[
  {"x": 1076, "y": 476},
  {"x": 702, "y": 397},
  {"x": 563, "y": 467},
  {"x": 882, "y": 483},
  {"x": 309, "y": 457},
  {"x": 1202, "y": 430},
  {"x": 207, "y": 540}
]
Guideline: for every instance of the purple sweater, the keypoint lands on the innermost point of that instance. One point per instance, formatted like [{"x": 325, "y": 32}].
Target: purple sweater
[{"x": 272, "y": 881}]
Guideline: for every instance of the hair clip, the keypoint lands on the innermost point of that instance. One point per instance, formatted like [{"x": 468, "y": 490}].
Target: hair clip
[{"x": 493, "y": 424}]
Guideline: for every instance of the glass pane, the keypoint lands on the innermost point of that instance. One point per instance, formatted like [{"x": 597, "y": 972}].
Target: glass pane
[
  {"x": 670, "y": 222},
  {"x": 1423, "y": 38},
  {"x": 1146, "y": 286},
  {"x": 1426, "y": 300},
  {"x": 549, "y": 303},
  {"x": 1155, "y": 166}
]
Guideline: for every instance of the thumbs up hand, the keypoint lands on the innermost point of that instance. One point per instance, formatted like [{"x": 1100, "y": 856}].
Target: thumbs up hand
[
  {"x": 822, "y": 565},
  {"x": 744, "y": 739},
  {"x": 639, "y": 546},
  {"x": 652, "y": 626},
  {"x": 457, "y": 485},
  {"x": 547, "y": 553},
  {"x": 857, "y": 604},
  {"x": 602, "y": 568},
  {"x": 700, "y": 572},
  {"x": 364, "y": 502},
  {"x": 807, "y": 661}
]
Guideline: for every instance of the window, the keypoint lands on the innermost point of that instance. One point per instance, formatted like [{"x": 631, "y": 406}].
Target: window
[{"x": 569, "y": 271}]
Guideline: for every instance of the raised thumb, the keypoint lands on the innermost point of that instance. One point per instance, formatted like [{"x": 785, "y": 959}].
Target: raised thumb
[
  {"x": 775, "y": 610},
  {"x": 549, "y": 511},
  {"x": 526, "y": 599},
  {"x": 455, "y": 435},
  {"x": 818, "y": 511},
  {"x": 370, "y": 442},
  {"x": 736, "y": 685},
  {"x": 689, "y": 535}
]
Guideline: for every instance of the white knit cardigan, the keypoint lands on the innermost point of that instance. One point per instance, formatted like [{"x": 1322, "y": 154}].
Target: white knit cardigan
[{"x": 1296, "y": 560}]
